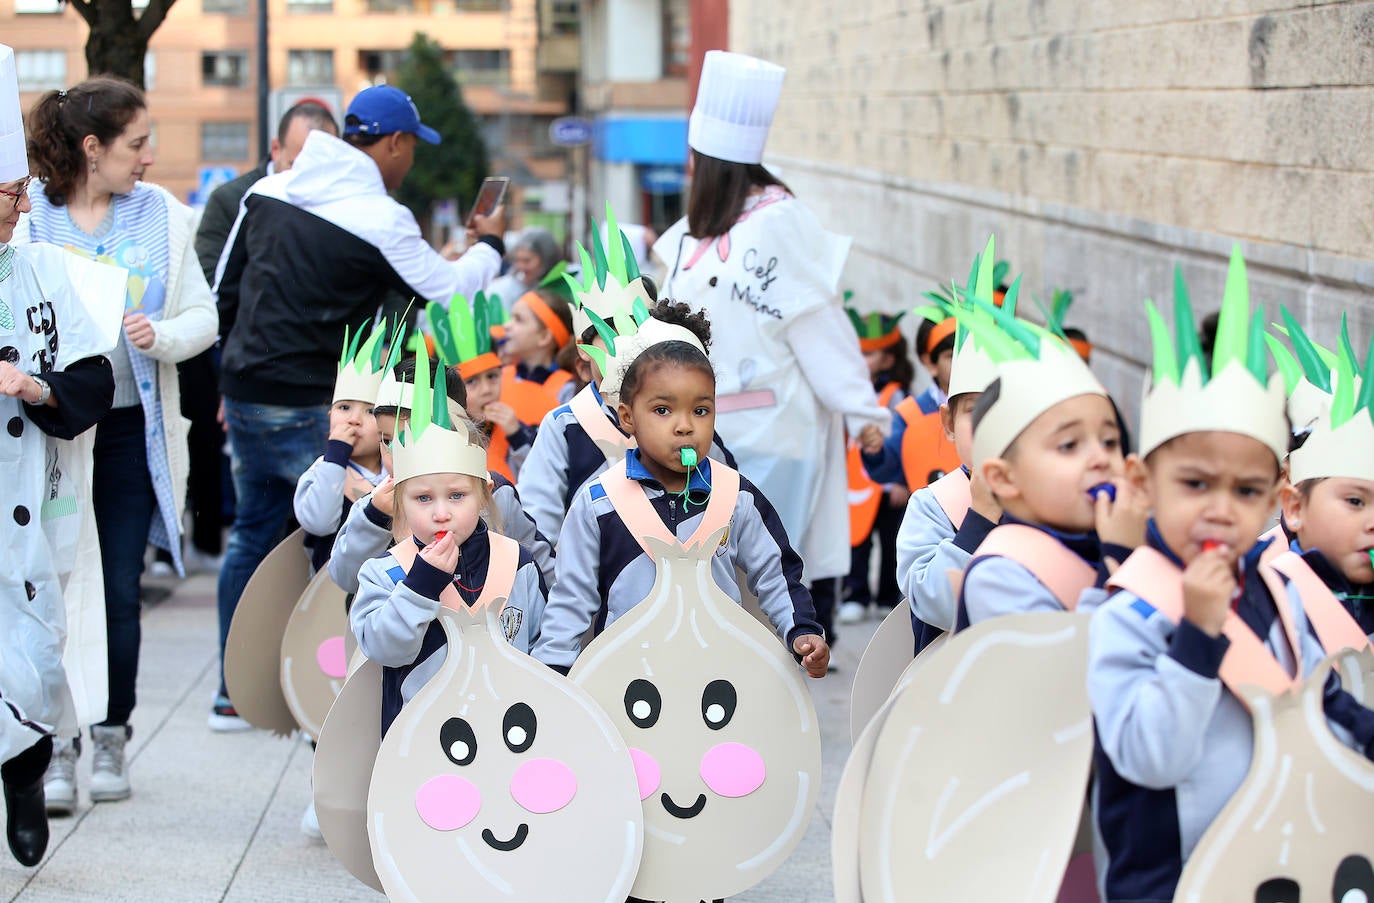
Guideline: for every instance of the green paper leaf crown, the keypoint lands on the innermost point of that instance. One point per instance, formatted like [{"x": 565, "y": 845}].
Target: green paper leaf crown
[
  {"x": 463, "y": 331},
  {"x": 429, "y": 403},
  {"x": 1340, "y": 374},
  {"x": 615, "y": 267},
  {"x": 373, "y": 355},
  {"x": 872, "y": 325},
  {"x": 1240, "y": 333}
]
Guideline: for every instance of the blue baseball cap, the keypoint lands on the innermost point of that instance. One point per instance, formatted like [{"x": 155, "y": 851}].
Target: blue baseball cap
[{"x": 384, "y": 110}]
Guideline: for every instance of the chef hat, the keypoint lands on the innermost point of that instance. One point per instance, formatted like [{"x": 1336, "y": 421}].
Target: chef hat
[
  {"x": 611, "y": 283},
  {"x": 462, "y": 333},
  {"x": 431, "y": 441},
  {"x": 736, "y": 99},
  {"x": 876, "y": 330},
  {"x": 1239, "y": 396},
  {"x": 364, "y": 364},
  {"x": 1341, "y": 441},
  {"x": 1036, "y": 369},
  {"x": 14, "y": 157}
]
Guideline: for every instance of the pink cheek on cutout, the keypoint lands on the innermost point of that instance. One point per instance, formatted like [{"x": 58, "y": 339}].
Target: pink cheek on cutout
[
  {"x": 542, "y": 786},
  {"x": 647, "y": 772},
  {"x": 331, "y": 658},
  {"x": 447, "y": 802},
  {"x": 732, "y": 770}
]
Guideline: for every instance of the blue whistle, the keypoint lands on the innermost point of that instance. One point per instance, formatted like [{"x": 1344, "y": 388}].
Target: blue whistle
[
  {"x": 1100, "y": 488},
  {"x": 689, "y": 457}
]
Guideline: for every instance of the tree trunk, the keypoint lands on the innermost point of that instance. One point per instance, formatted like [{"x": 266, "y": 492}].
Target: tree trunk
[{"x": 118, "y": 40}]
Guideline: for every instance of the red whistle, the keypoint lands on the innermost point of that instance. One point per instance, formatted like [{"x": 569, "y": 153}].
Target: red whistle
[
  {"x": 440, "y": 534},
  {"x": 1210, "y": 544}
]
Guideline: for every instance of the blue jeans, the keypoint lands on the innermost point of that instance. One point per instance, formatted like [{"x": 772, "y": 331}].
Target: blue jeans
[
  {"x": 122, "y": 493},
  {"x": 272, "y": 446}
]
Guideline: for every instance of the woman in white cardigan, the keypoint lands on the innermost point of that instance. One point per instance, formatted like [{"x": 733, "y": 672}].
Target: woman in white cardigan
[{"x": 90, "y": 147}]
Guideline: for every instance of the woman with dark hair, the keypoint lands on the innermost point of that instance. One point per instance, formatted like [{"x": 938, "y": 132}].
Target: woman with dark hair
[
  {"x": 90, "y": 147},
  {"x": 763, "y": 267}
]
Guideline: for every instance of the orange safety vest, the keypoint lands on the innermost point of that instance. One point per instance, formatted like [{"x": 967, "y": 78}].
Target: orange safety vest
[
  {"x": 926, "y": 454},
  {"x": 864, "y": 496},
  {"x": 531, "y": 400},
  {"x": 498, "y": 450},
  {"x": 887, "y": 393},
  {"x": 1149, "y": 575}
]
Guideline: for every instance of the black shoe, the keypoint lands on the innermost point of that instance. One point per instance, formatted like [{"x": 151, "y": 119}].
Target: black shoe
[{"x": 26, "y": 825}]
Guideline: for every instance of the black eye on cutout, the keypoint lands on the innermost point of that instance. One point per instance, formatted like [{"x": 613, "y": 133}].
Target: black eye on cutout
[
  {"x": 1353, "y": 874},
  {"x": 1278, "y": 890},
  {"x": 718, "y": 703},
  {"x": 458, "y": 741},
  {"x": 643, "y": 703},
  {"x": 518, "y": 728}
]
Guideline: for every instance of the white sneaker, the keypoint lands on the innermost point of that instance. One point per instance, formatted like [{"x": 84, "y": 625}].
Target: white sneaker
[
  {"x": 224, "y": 719},
  {"x": 197, "y": 562},
  {"x": 310, "y": 825},
  {"x": 59, "y": 782},
  {"x": 109, "y": 775},
  {"x": 161, "y": 569},
  {"x": 853, "y": 612}
]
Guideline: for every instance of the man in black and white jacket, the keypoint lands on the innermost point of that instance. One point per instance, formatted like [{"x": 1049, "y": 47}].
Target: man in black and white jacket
[{"x": 315, "y": 249}]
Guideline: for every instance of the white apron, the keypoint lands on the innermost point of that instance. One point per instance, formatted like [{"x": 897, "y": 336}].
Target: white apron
[
  {"x": 54, "y": 309},
  {"x": 776, "y": 264}
]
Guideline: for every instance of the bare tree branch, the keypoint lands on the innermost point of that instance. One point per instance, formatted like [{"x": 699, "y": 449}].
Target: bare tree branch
[
  {"x": 152, "y": 17},
  {"x": 86, "y": 9}
]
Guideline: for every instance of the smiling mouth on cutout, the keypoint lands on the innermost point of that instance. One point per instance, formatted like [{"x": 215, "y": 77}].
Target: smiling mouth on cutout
[
  {"x": 678, "y": 811},
  {"x": 506, "y": 846}
]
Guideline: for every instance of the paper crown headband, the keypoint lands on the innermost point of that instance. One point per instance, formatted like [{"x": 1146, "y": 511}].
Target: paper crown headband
[
  {"x": 876, "y": 330},
  {"x": 364, "y": 364},
  {"x": 1056, "y": 313},
  {"x": 1237, "y": 396},
  {"x": 1035, "y": 368},
  {"x": 627, "y": 335},
  {"x": 971, "y": 370},
  {"x": 462, "y": 333},
  {"x": 611, "y": 281},
  {"x": 1341, "y": 441},
  {"x": 393, "y": 393},
  {"x": 1308, "y": 373},
  {"x": 429, "y": 442}
]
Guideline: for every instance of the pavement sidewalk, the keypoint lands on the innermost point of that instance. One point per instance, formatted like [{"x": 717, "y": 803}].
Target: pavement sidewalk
[{"x": 215, "y": 817}]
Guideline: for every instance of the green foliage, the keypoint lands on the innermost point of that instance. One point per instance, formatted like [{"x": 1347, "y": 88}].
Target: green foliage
[{"x": 456, "y": 167}]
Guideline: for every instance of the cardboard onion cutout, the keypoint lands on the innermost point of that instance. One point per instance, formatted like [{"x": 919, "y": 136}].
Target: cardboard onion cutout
[
  {"x": 252, "y": 652},
  {"x": 502, "y": 779},
  {"x": 314, "y": 653},
  {"x": 1298, "y": 827},
  {"x": 975, "y": 790},
  {"x": 885, "y": 658},
  {"x": 720, "y": 724},
  {"x": 344, "y": 756},
  {"x": 844, "y": 827}
]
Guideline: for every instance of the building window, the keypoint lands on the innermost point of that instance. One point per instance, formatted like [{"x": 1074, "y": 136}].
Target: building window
[
  {"x": 381, "y": 66},
  {"x": 391, "y": 6},
  {"x": 37, "y": 6},
  {"x": 481, "y": 67},
  {"x": 228, "y": 7},
  {"x": 565, "y": 16},
  {"x": 309, "y": 68},
  {"x": 41, "y": 70},
  {"x": 480, "y": 6},
  {"x": 677, "y": 39},
  {"x": 224, "y": 141},
  {"x": 310, "y": 6},
  {"x": 149, "y": 71},
  {"x": 224, "y": 69}
]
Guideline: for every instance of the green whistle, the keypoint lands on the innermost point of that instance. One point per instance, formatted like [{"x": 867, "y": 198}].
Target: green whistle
[{"x": 689, "y": 459}]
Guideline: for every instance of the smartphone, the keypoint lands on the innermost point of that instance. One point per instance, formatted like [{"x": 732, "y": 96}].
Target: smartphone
[{"x": 489, "y": 197}]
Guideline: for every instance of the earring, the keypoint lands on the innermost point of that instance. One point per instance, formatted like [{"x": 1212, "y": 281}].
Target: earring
[{"x": 92, "y": 164}]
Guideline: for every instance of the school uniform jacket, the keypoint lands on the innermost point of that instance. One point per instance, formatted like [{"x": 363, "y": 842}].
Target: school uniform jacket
[
  {"x": 563, "y": 458},
  {"x": 1173, "y": 744},
  {"x": 319, "y": 503},
  {"x": 366, "y": 533},
  {"x": 393, "y": 615},
  {"x": 1358, "y": 600},
  {"x": 603, "y": 572}
]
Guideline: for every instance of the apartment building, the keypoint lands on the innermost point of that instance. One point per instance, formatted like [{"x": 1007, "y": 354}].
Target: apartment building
[{"x": 516, "y": 60}]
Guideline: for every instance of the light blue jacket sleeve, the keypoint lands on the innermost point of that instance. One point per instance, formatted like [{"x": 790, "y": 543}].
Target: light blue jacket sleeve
[
  {"x": 389, "y": 618},
  {"x": 926, "y": 553},
  {"x": 318, "y": 503},
  {"x": 359, "y": 539},
  {"x": 519, "y": 526},
  {"x": 543, "y": 478},
  {"x": 575, "y": 598}
]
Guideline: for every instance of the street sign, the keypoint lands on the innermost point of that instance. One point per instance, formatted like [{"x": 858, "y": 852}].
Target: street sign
[
  {"x": 209, "y": 178},
  {"x": 570, "y": 131}
]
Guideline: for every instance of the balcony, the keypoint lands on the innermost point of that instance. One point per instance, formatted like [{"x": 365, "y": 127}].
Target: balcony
[{"x": 559, "y": 53}]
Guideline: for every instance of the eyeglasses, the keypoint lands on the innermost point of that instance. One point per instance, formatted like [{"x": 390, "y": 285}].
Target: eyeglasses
[{"x": 18, "y": 195}]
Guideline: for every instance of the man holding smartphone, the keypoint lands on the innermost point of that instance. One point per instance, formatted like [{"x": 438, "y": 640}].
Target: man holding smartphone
[{"x": 315, "y": 249}]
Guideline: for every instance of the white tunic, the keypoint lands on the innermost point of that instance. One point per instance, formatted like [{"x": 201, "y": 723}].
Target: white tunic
[
  {"x": 790, "y": 376},
  {"x": 55, "y": 309}
]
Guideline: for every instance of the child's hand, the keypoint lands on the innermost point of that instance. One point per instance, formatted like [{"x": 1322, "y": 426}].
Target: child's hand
[
  {"x": 815, "y": 653},
  {"x": 897, "y": 495},
  {"x": 442, "y": 553},
  {"x": 384, "y": 496},
  {"x": 983, "y": 500},
  {"x": 355, "y": 485},
  {"x": 343, "y": 431},
  {"x": 1121, "y": 522},
  {"x": 503, "y": 415},
  {"x": 871, "y": 439},
  {"x": 1208, "y": 585}
]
